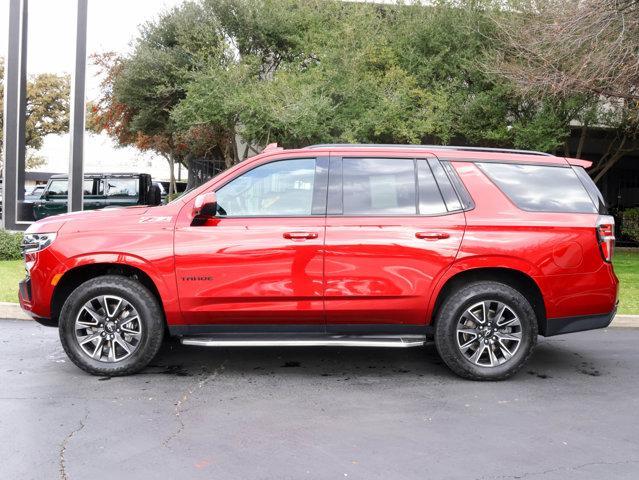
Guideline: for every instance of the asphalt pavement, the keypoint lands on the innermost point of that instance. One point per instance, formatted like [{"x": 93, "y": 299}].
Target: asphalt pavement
[{"x": 319, "y": 413}]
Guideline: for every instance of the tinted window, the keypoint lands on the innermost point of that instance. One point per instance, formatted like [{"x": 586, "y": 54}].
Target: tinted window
[
  {"x": 61, "y": 187},
  {"x": 448, "y": 192},
  {"x": 430, "y": 199},
  {"x": 58, "y": 187},
  {"x": 593, "y": 191},
  {"x": 282, "y": 188},
  {"x": 378, "y": 186},
  {"x": 123, "y": 187},
  {"x": 541, "y": 188}
]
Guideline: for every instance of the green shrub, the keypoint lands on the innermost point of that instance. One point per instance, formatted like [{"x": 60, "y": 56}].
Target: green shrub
[
  {"x": 10, "y": 245},
  {"x": 630, "y": 223}
]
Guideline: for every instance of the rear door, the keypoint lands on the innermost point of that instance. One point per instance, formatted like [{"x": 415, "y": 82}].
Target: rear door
[{"x": 393, "y": 226}]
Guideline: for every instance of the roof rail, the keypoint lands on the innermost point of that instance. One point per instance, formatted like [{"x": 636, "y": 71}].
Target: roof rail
[{"x": 438, "y": 147}]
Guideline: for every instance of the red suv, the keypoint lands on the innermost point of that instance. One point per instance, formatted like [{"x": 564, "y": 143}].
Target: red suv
[{"x": 350, "y": 245}]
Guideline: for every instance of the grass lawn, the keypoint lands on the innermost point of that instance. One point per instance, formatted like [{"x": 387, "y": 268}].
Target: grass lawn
[
  {"x": 11, "y": 272},
  {"x": 626, "y": 267}
]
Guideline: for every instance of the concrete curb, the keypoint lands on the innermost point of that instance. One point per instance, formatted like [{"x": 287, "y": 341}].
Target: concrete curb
[{"x": 13, "y": 311}]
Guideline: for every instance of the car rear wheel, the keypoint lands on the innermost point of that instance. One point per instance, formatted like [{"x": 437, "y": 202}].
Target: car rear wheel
[
  {"x": 485, "y": 331},
  {"x": 111, "y": 325}
]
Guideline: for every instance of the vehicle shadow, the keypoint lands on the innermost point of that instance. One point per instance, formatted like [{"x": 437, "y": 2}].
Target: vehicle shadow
[{"x": 550, "y": 359}]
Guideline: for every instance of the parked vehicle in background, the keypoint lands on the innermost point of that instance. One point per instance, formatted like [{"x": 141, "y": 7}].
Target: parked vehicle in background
[
  {"x": 35, "y": 193},
  {"x": 350, "y": 245},
  {"x": 180, "y": 188},
  {"x": 101, "y": 190}
]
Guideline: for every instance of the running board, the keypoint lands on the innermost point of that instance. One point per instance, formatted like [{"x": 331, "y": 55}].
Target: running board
[{"x": 388, "y": 341}]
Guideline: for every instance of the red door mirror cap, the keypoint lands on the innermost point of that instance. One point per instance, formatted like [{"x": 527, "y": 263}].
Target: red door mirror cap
[{"x": 205, "y": 205}]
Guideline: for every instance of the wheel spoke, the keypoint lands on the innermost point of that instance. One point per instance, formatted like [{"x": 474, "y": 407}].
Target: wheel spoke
[
  {"x": 117, "y": 307},
  {"x": 475, "y": 317},
  {"x": 478, "y": 353},
  {"x": 122, "y": 342},
  {"x": 500, "y": 313},
  {"x": 98, "y": 349},
  {"x": 89, "y": 338},
  {"x": 97, "y": 318},
  {"x": 492, "y": 357},
  {"x": 507, "y": 336},
  {"x": 504, "y": 350}
]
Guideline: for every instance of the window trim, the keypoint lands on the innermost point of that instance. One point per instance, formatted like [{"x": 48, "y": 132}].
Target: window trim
[
  {"x": 507, "y": 197},
  {"x": 321, "y": 174}
]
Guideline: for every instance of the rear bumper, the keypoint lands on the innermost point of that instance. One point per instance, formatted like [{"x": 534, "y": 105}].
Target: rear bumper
[{"x": 559, "y": 326}]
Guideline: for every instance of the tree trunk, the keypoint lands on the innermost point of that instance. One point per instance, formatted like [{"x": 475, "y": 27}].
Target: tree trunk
[
  {"x": 603, "y": 168},
  {"x": 582, "y": 140}
]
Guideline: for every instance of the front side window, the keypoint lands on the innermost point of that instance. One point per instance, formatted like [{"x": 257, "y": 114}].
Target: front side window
[
  {"x": 58, "y": 188},
  {"x": 379, "y": 186},
  {"x": 282, "y": 188},
  {"x": 123, "y": 187},
  {"x": 541, "y": 188}
]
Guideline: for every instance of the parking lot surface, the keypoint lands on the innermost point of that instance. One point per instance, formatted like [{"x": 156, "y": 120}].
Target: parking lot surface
[{"x": 320, "y": 413}]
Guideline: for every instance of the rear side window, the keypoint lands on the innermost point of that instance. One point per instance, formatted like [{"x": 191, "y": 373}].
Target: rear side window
[
  {"x": 379, "y": 186},
  {"x": 593, "y": 191},
  {"x": 123, "y": 187},
  {"x": 539, "y": 188},
  {"x": 430, "y": 198}
]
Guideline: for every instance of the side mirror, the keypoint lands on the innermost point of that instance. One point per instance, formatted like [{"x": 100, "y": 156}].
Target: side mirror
[{"x": 205, "y": 205}]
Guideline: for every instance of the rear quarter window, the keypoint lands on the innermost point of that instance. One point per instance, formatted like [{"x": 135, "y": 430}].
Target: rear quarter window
[{"x": 541, "y": 188}]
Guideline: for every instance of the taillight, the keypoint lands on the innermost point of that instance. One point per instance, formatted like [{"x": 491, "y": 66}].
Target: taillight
[{"x": 606, "y": 236}]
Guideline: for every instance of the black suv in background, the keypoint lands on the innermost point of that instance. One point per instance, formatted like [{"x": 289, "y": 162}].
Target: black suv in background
[{"x": 100, "y": 190}]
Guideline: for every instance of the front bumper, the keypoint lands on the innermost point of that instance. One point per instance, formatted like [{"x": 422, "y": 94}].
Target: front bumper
[
  {"x": 559, "y": 326},
  {"x": 25, "y": 297}
]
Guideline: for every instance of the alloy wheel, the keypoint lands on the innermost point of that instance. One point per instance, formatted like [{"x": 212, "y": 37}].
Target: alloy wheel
[
  {"x": 489, "y": 333},
  {"x": 108, "y": 328}
]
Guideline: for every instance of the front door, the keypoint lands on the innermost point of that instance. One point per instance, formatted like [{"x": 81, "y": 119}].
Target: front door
[
  {"x": 259, "y": 262},
  {"x": 391, "y": 230}
]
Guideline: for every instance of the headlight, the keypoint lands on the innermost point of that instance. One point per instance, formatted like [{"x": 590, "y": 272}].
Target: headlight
[{"x": 34, "y": 242}]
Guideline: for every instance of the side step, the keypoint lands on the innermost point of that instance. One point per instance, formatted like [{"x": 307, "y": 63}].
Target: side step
[{"x": 227, "y": 340}]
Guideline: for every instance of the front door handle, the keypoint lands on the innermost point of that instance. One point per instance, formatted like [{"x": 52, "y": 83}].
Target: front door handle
[
  {"x": 432, "y": 235},
  {"x": 300, "y": 235}
]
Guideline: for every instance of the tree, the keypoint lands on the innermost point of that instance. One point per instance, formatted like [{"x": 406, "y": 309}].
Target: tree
[
  {"x": 47, "y": 111},
  {"x": 586, "y": 50},
  {"x": 301, "y": 72}
]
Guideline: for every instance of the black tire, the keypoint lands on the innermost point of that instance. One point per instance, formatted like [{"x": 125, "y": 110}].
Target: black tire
[
  {"x": 450, "y": 313},
  {"x": 149, "y": 312}
]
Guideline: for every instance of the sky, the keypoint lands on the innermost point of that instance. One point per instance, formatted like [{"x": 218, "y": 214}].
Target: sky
[{"x": 112, "y": 25}]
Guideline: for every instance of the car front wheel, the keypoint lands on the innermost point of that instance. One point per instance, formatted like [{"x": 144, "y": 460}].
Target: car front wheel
[
  {"x": 111, "y": 325},
  {"x": 486, "y": 331}
]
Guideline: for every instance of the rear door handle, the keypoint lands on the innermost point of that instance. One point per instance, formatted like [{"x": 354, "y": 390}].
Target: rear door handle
[
  {"x": 432, "y": 235},
  {"x": 300, "y": 235}
]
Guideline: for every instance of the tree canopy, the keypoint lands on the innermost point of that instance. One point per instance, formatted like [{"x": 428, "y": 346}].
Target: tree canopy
[
  {"x": 305, "y": 71},
  {"x": 47, "y": 110}
]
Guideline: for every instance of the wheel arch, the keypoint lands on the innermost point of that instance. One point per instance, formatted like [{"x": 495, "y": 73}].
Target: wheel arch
[
  {"x": 521, "y": 281},
  {"x": 74, "y": 277}
]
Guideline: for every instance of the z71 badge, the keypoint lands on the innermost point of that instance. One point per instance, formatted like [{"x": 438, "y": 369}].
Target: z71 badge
[{"x": 155, "y": 219}]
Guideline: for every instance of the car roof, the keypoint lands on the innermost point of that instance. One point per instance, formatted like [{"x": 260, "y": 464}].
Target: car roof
[
  {"x": 99, "y": 175},
  {"x": 443, "y": 152}
]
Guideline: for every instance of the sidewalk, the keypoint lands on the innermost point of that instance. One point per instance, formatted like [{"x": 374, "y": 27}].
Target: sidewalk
[{"x": 13, "y": 311}]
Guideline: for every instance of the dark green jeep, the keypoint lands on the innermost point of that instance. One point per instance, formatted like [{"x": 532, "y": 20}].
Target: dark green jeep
[{"x": 100, "y": 190}]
